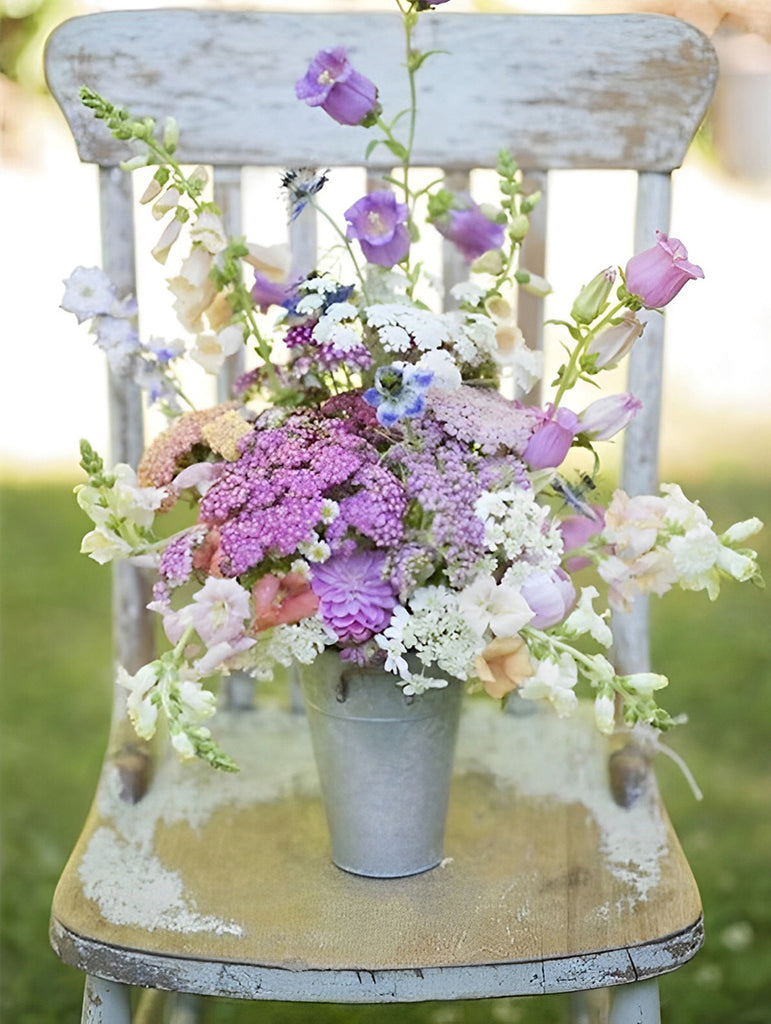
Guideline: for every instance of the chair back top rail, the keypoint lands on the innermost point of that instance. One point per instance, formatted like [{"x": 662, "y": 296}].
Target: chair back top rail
[{"x": 590, "y": 91}]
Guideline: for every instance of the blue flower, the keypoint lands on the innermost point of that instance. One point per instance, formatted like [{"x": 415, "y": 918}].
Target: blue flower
[{"x": 400, "y": 390}]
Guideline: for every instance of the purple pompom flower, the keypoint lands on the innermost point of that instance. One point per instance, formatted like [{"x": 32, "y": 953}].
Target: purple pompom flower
[
  {"x": 379, "y": 223},
  {"x": 400, "y": 390},
  {"x": 354, "y": 599},
  {"x": 656, "y": 275},
  {"x": 332, "y": 83},
  {"x": 470, "y": 230}
]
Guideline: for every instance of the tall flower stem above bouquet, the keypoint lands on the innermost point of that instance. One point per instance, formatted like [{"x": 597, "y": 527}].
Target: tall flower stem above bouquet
[{"x": 367, "y": 487}]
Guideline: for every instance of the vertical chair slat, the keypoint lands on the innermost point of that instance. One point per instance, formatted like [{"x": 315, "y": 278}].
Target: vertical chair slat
[
  {"x": 133, "y": 636},
  {"x": 530, "y": 314},
  {"x": 227, "y": 195},
  {"x": 454, "y": 267},
  {"x": 639, "y": 472}
]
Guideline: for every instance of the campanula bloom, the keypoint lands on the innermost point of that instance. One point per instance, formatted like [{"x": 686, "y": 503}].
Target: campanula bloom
[
  {"x": 551, "y": 441},
  {"x": 400, "y": 390},
  {"x": 379, "y": 223},
  {"x": 332, "y": 83},
  {"x": 468, "y": 227},
  {"x": 656, "y": 275},
  {"x": 605, "y": 417}
]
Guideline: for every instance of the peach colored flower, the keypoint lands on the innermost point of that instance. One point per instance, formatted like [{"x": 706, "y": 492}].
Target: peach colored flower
[{"x": 503, "y": 665}]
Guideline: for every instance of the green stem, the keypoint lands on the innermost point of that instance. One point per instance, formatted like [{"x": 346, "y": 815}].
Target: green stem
[
  {"x": 341, "y": 235},
  {"x": 570, "y": 376}
]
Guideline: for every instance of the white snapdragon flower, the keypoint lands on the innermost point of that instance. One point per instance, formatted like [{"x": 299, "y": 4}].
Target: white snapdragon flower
[
  {"x": 584, "y": 619},
  {"x": 605, "y": 713},
  {"x": 104, "y": 546},
  {"x": 219, "y": 610},
  {"x": 553, "y": 681},
  {"x": 142, "y": 711},
  {"x": 495, "y": 606}
]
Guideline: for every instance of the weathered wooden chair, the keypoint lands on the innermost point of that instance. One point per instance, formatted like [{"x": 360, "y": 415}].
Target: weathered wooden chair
[{"x": 192, "y": 883}]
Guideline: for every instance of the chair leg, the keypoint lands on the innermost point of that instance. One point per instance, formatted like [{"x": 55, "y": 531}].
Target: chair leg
[
  {"x": 186, "y": 1009},
  {"x": 105, "y": 1002},
  {"x": 637, "y": 1003},
  {"x": 590, "y": 1007}
]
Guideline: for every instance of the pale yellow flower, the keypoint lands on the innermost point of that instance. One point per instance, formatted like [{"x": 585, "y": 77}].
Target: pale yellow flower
[{"x": 503, "y": 665}]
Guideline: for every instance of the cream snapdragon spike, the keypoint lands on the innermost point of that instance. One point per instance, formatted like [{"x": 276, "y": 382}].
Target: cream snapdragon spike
[{"x": 368, "y": 487}]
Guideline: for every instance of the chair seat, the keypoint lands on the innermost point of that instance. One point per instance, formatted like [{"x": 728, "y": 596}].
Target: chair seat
[{"x": 222, "y": 885}]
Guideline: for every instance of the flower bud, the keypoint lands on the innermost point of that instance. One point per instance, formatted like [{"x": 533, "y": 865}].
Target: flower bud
[
  {"x": 170, "y": 134},
  {"x": 533, "y": 284},
  {"x": 612, "y": 344},
  {"x": 605, "y": 417},
  {"x": 169, "y": 236},
  {"x": 168, "y": 201},
  {"x": 550, "y": 596},
  {"x": 490, "y": 262},
  {"x": 592, "y": 298},
  {"x": 519, "y": 227}
]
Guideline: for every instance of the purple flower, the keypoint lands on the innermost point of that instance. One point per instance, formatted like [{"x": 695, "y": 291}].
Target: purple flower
[
  {"x": 470, "y": 230},
  {"x": 551, "y": 441},
  {"x": 550, "y": 596},
  {"x": 656, "y": 275},
  {"x": 400, "y": 390},
  {"x": 267, "y": 293},
  {"x": 605, "y": 417},
  {"x": 379, "y": 223},
  {"x": 354, "y": 599},
  {"x": 576, "y": 531},
  {"x": 332, "y": 83}
]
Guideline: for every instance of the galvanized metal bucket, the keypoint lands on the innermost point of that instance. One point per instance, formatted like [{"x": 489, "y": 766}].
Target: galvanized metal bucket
[{"x": 384, "y": 763}]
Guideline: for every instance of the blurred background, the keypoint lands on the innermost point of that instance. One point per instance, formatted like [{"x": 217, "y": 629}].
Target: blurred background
[{"x": 716, "y": 441}]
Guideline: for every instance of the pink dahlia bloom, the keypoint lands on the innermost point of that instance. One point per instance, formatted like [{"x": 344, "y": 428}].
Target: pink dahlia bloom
[
  {"x": 354, "y": 599},
  {"x": 657, "y": 274}
]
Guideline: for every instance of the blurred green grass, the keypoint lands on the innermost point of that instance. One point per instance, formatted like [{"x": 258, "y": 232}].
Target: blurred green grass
[{"x": 54, "y": 711}]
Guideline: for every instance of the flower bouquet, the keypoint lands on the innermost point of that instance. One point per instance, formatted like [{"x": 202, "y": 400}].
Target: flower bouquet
[{"x": 374, "y": 491}]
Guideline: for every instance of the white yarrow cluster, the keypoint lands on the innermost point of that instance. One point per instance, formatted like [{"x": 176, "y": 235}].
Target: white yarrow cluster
[{"x": 521, "y": 529}]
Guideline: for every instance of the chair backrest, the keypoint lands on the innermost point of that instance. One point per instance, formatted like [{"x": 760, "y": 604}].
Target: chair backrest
[{"x": 579, "y": 91}]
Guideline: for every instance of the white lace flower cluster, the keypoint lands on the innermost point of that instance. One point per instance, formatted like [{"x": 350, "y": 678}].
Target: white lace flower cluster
[{"x": 519, "y": 531}]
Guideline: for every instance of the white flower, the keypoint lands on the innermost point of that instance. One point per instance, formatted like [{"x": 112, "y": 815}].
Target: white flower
[
  {"x": 553, "y": 681},
  {"x": 197, "y": 703},
  {"x": 467, "y": 291},
  {"x": 446, "y": 375},
  {"x": 183, "y": 745},
  {"x": 740, "y": 567},
  {"x": 142, "y": 711},
  {"x": 209, "y": 232},
  {"x": 88, "y": 292},
  {"x": 742, "y": 531},
  {"x": 419, "y": 684},
  {"x": 211, "y": 350},
  {"x": 694, "y": 555},
  {"x": 678, "y": 509},
  {"x": 168, "y": 201},
  {"x": 169, "y": 235},
  {"x": 584, "y": 619},
  {"x": 605, "y": 713},
  {"x": 219, "y": 610},
  {"x": 495, "y": 606},
  {"x": 645, "y": 683},
  {"x": 104, "y": 545},
  {"x": 193, "y": 289}
]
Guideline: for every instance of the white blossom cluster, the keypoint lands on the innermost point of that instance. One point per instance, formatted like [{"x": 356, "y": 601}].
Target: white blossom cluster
[{"x": 521, "y": 530}]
